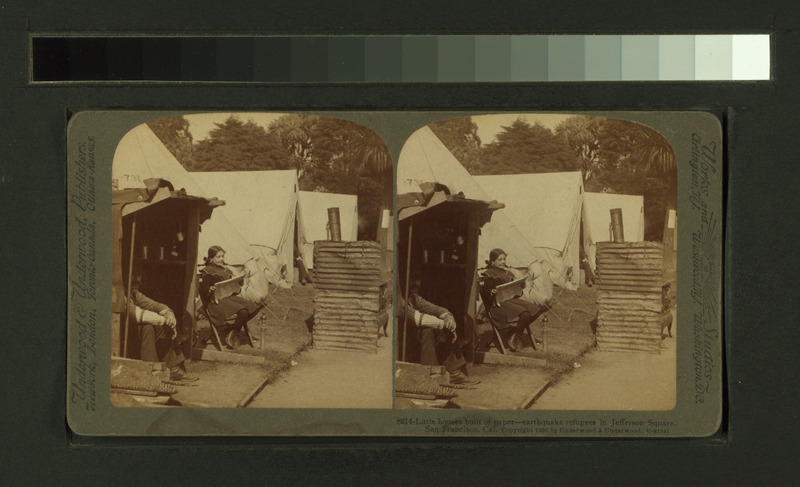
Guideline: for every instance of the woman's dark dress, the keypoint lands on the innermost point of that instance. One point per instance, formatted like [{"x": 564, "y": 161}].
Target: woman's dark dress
[
  {"x": 226, "y": 307},
  {"x": 511, "y": 308}
]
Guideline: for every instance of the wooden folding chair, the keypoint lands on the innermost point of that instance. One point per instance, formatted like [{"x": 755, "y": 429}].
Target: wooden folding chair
[
  {"x": 220, "y": 328},
  {"x": 488, "y": 302}
]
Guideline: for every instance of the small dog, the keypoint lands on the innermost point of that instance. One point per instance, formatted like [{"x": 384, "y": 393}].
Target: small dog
[
  {"x": 666, "y": 311},
  {"x": 666, "y": 323}
]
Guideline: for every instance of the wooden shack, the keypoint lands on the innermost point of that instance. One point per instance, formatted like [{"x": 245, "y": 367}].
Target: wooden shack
[
  {"x": 629, "y": 296},
  {"x": 155, "y": 232},
  {"x": 438, "y": 242},
  {"x": 350, "y": 295}
]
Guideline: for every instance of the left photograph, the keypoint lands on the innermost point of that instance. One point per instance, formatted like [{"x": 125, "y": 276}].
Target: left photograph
[{"x": 251, "y": 263}]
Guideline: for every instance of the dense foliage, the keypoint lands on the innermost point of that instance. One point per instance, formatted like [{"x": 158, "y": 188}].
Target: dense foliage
[
  {"x": 240, "y": 146},
  {"x": 525, "y": 148}
]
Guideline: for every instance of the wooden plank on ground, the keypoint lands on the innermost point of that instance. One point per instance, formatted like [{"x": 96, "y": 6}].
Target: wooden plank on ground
[{"x": 227, "y": 356}]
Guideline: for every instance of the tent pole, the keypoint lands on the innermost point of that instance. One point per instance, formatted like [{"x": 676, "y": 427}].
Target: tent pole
[
  {"x": 128, "y": 297},
  {"x": 405, "y": 295}
]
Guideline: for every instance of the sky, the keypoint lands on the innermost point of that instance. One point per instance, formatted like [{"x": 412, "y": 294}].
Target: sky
[{"x": 491, "y": 125}]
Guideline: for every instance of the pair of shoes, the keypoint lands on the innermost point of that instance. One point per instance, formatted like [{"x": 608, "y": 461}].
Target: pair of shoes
[
  {"x": 459, "y": 377},
  {"x": 179, "y": 375},
  {"x": 515, "y": 343}
]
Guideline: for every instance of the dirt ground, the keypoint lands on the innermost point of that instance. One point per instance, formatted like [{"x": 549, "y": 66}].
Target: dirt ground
[
  {"x": 617, "y": 381},
  {"x": 576, "y": 375},
  {"x": 568, "y": 333},
  {"x": 334, "y": 379},
  {"x": 290, "y": 374},
  {"x": 224, "y": 384},
  {"x": 501, "y": 387}
]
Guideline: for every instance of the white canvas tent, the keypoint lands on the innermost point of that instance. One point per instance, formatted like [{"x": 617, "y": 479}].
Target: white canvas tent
[
  {"x": 425, "y": 159},
  {"x": 141, "y": 155},
  {"x": 312, "y": 219},
  {"x": 597, "y": 216},
  {"x": 261, "y": 205},
  {"x": 546, "y": 207}
]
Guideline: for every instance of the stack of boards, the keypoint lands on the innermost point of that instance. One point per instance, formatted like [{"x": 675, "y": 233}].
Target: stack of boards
[
  {"x": 629, "y": 296},
  {"x": 349, "y": 295}
]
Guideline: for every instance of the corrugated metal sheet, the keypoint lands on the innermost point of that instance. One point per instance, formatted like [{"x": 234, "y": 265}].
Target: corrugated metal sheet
[
  {"x": 629, "y": 296},
  {"x": 349, "y": 295}
]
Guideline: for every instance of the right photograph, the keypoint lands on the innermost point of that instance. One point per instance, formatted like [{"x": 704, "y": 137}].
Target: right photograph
[{"x": 536, "y": 265}]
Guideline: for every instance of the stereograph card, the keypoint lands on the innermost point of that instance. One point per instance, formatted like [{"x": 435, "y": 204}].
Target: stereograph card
[{"x": 371, "y": 245}]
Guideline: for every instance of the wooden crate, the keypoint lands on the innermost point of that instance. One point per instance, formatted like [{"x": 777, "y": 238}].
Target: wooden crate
[
  {"x": 350, "y": 295},
  {"x": 629, "y": 292}
]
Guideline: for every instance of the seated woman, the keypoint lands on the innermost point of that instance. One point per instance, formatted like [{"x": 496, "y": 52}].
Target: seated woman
[
  {"x": 220, "y": 310},
  {"x": 496, "y": 274}
]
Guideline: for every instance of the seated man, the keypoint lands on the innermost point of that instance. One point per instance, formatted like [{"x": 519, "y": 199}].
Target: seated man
[
  {"x": 436, "y": 331},
  {"x": 160, "y": 342}
]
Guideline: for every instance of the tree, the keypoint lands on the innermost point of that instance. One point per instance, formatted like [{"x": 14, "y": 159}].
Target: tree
[
  {"x": 635, "y": 159},
  {"x": 348, "y": 147},
  {"x": 614, "y": 156},
  {"x": 341, "y": 150},
  {"x": 235, "y": 145},
  {"x": 460, "y": 136},
  {"x": 372, "y": 155},
  {"x": 525, "y": 148},
  {"x": 174, "y": 134},
  {"x": 338, "y": 156},
  {"x": 655, "y": 157},
  {"x": 352, "y": 159},
  {"x": 295, "y": 132},
  {"x": 582, "y": 133}
]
